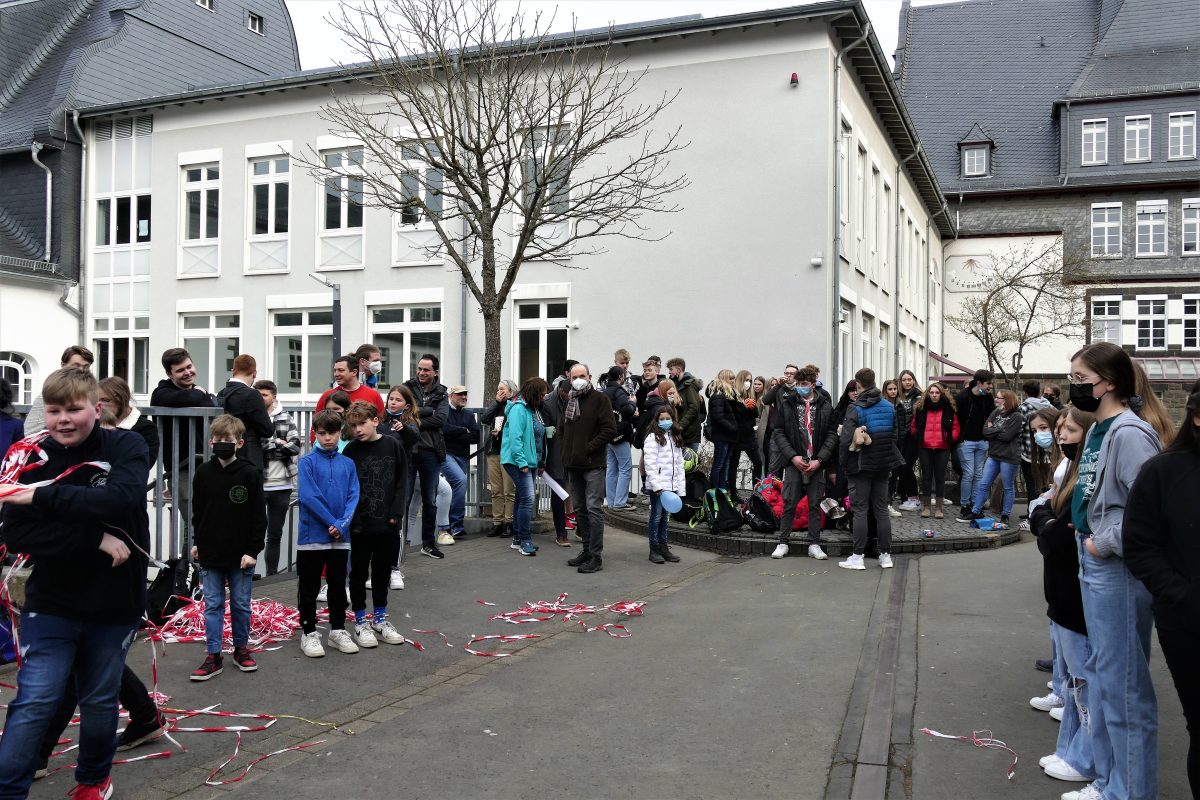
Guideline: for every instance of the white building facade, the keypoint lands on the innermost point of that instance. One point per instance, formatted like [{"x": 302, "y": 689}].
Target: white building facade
[{"x": 205, "y": 231}]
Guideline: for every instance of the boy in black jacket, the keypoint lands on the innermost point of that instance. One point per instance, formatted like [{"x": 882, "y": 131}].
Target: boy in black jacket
[
  {"x": 229, "y": 517},
  {"x": 86, "y": 527},
  {"x": 239, "y": 398}
]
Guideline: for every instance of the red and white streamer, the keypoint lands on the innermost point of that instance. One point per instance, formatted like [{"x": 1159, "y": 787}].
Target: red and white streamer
[
  {"x": 982, "y": 739},
  {"x": 211, "y": 780}
]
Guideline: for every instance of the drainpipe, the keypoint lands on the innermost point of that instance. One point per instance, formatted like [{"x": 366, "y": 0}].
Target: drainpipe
[
  {"x": 835, "y": 252},
  {"x": 928, "y": 288},
  {"x": 896, "y": 282},
  {"x": 83, "y": 239},
  {"x": 462, "y": 334},
  {"x": 36, "y": 148},
  {"x": 1067, "y": 155}
]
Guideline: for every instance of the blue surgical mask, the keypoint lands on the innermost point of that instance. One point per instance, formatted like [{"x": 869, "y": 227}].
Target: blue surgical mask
[
  {"x": 666, "y": 424},
  {"x": 804, "y": 391},
  {"x": 1044, "y": 439}
]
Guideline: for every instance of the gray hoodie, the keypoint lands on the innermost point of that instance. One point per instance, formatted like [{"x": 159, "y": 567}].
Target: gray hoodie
[{"x": 1130, "y": 443}]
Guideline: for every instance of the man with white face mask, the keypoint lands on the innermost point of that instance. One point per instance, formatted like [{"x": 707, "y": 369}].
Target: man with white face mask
[
  {"x": 586, "y": 428},
  {"x": 370, "y": 363}
]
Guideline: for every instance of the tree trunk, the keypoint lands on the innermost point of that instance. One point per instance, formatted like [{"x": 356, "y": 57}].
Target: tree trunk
[{"x": 492, "y": 360}]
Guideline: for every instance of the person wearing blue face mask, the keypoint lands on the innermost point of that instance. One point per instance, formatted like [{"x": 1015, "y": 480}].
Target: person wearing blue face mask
[
  {"x": 1032, "y": 403},
  {"x": 805, "y": 439},
  {"x": 662, "y": 457}
]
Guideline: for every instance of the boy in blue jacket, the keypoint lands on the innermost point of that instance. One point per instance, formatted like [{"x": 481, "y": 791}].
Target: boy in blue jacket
[{"x": 328, "y": 495}]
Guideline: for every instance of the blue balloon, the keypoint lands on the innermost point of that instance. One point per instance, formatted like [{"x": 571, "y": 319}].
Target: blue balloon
[{"x": 671, "y": 502}]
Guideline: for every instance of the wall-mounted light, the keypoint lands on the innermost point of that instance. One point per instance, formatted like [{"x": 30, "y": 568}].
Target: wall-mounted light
[{"x": 795, "y": 80}]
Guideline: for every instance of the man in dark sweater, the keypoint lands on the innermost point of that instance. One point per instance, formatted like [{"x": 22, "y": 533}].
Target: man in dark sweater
[
  {"x": 240, "y": 399},
  {"x": 434, "y": 406},
  {"x": 974, "y": 404},
  {"x": 587, "y": 426},
  {"x": 87, "y": 531},
  {"x": 461, "y": 432}
]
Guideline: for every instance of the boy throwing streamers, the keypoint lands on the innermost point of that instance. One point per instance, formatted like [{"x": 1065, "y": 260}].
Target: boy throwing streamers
[
  {"x": 328, "y": 496},
  {"x": 229, "y": 518},
  {"x": 84, "y": 522},
  {"x": 381, "y": 465}
]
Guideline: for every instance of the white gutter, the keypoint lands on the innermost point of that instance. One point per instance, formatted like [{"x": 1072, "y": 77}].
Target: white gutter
[
  {"x": 83, "y": 239},
  {"x": 36, "y": 148}
]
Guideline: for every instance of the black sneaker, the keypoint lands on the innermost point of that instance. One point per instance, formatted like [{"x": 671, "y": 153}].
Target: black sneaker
[
  {"x": 211, "y": 668},
  {"x": 498, "y": 530},
  {"x": 1004, "y": 520},
  {"x": 578, "y": 560},
  {"x": 1043, "y": 665},
  {"x": 593, "y": 564},
  {"x": 968, "y": 516},
  {"x": 138, "y": 733},
  {"x": 432, "y": 551},
  {"x": 244, "y": 661}
]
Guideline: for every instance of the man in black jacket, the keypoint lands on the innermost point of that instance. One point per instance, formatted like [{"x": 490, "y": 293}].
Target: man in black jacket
[
  {"x": 974, "y": 404},
  {"x": 461, "y": 432},
  {"x": 433, "y": 404},
  {"x": 87, "y": 531},
  {"x": 586, "y": 428},
  {"x": 239, "y": 399},
  {"x": 805, "y": 440}
]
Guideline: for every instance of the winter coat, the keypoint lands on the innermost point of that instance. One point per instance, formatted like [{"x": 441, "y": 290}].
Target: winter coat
[
  {"x": 792, "y": 439},
  {"x": 722, "y": 424},
  {"x": 1028, "y": 409},
  {"x": 328, "y": 495},
  {"x": 141, "y": 425},
  {"x": 935, "y": 427},
  {"x": 552, "y": 410},
  {"x": 1129, "y": 444},
  {"x": 903, "y": 419},
  {"x": 1060, "y": 566},
  {"x": 168, "y": 395},
  {"x": 488, "y": 419},
  {"x": 461, "y": 432},
  {"x": 691, "y": 408},
  {"x": 1161, "y": 537},
  {"x": 583, "y": 440},
  {"x": 623, "y": 405},
  {"x": 281, "y": 460},
  {"x": 879, "y": 418},
  {"x": 229, "y": 515},
  {"x": 644, "y": 389},
  {"x": 973, "y": 411},
  {"x": 521, "y": 446},
  {"x": 11, "y": 430},
  {"x": 242, "y": 401},
  {"x": 663, "y": 464},
  {"x": 746, "y": 419},
  {"x": 1003, "y": 434},
  {"x": 649, "y": 416},
  {"x": 434, "y": 407}
]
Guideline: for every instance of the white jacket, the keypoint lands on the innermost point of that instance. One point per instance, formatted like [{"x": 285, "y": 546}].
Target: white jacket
[{"x": 663, "y": 464}]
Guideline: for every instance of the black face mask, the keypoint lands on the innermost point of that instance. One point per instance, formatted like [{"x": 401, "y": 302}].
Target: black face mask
[
  {"x": 1081, "y": 397},
  {"x": 224, "y": 450},
  {"x": 1069, "y": 450}
]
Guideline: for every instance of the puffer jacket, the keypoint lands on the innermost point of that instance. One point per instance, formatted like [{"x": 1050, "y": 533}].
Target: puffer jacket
[
  {"x": 1003, "y": 435},
  {"x": 663, "y": 464},
  {"x": 934, "y": 427},
  {"x": 722, "y": 424},
  {"x": 691, "y": 407},
  {"x": 879, "y": 417}
]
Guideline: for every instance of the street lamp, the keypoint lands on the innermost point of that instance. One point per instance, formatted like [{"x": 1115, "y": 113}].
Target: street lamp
[{"x": 337, "y": 311}]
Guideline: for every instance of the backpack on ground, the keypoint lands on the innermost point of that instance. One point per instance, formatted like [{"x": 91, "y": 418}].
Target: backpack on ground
[
  {"x": 719, "y": 513},
  {"x": 695, "y": 486},
  {"x": 170, "y": 589},
  {"x": 759, "y": 514}
]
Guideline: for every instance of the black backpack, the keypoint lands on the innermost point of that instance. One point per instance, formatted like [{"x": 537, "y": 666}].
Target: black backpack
[
  {"x": 719, "y": 513},
  {"x": 696, "y": 485},
  {"x": 170, "y": 589},
  {"x": 759, "y": 514}
]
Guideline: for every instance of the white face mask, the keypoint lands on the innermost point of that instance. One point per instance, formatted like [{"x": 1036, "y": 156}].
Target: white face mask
[
  {"x": 579, "y": 384},
  {"x": 376, "y": 367},
  {"x": 746, "y": 385}
]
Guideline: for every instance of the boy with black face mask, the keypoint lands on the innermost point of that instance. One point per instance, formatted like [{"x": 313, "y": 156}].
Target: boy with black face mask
[{"x": 229, "y": 518}]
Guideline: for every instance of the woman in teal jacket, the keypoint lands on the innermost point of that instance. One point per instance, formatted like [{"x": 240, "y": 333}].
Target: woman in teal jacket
[{"x": 522, "y": 455}]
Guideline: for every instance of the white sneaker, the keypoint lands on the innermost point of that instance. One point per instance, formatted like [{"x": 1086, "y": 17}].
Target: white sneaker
[
  {"x": 1050, "y": 701},
  {"x": 387, "y": 631},
  {"x": 397, "y": 580},
  {"x": 364, "y": 635},
  {"x": 911, "y": 504},
  {"x": 893, "y": 512},
  {"x": 444, "y": 538},
  {"x": 323, "y": 595},
  {"x": 853, "y": 562},
  {"x": 1044, "y": 760},
  {"x": 310, "y": 645},
  {"x": 341, "y": 641},
  {"x": 1050, "y": 685},
  {"x": 368, "y": 583},
  {"x": 1086, "y": 793},
  {"x": 780, "y": 551},
  {"x": 815, "y": 551},
  {"x": 885, "y": 561},
  {"x": 1056, "y": 714},
  {"x": 1062, "y": 771}
]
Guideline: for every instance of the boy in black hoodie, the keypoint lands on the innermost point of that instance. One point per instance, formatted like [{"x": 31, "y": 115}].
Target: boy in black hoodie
[
  {"x": 84, "y": 522},
  {"x": 229, "y": 518}
]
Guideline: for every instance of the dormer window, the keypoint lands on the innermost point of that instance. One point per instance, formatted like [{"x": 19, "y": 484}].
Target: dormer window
[{"x": 975, "y": 160}]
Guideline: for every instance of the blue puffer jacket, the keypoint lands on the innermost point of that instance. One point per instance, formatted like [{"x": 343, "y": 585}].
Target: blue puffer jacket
[
  {"x": 879, "y": 417},
  {"x": 328, "y": 495}
]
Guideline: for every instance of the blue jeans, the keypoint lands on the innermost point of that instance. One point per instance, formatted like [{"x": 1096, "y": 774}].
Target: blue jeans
[
  {"x": 1008, "y": 477},
  {"x": 523, "y": 504},
  {"x": 240, "y": 581},
  {"x": 53, "y": 646},
  {"x": 455, "y": 471},
  {"x": 720, "y": 464},
  {"x": 618, "y": 475},
  {"x": 657, "y": 532},
  {"x": 971, "y": 456},
  {"x": 427, "y": 466},
  {"x": 1123, "y": 715},
  {"x": 1071, "y": 652}
]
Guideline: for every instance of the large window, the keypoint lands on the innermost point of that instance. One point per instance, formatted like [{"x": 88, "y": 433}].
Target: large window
[
  {"x": 343, "y": 191},
  {"x": 16, "y": 369},
  {"x": 1152, "y": 227},
  {"x": 542, "y": 327},
  {"x": 403, "y": 334},
  {"x": 302, "y": 351},
  {"x": 860, "y": 207},
  {"x": 843, "y": 180},
  {"x": 1182, "y": 135},
  {"x": 1151, "y": 323},
  {"x": 975, "y": 161},
  {"x": 547, "y": 165},
  {"x": 885, "y": 338},
  {"x": 269, "y": 189},
  {"x": 845, "y": 326},
  {"x": 122, "y": 347},
  {"x": 868, "y": 334},
  {"x": 123, "y": 220},
  {"x": 1106, "y": 319},
  {"x": 1191, "y": 226},
  {"x": 1137, "y": 139},
  {"x": 202, "y": 201},
  {"x": 1095, "y": 142},
  {"x": 1191, "y": 322},
  {"x": 212, "y": 340},
  {"x": 1106, "y": 229},
  {"x": 420, "y": 181}
]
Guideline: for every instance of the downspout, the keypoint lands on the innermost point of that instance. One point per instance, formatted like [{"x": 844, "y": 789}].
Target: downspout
[
  {"x": 928, "y": 288},
  {"x": 896, "y": 282},
  {"x": 36, "y": 148},
  {"x": 1067, "y": 153},
  {"x": 836, "y": 251},
  {"x": 462, "y": 335},
  {"x": 83, "y": 239}
]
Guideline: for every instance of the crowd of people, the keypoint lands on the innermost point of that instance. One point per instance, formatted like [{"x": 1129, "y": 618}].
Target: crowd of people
[{"x": 1114, "y": 520}]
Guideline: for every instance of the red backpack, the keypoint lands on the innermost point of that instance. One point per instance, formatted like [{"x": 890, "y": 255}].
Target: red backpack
[{"x": 771, "y": 490}]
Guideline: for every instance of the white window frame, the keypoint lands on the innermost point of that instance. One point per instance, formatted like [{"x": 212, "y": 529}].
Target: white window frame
[
  {"x": 1149, "y": 226},
  {"x": 885, "y": 216},
  {"x": 207, "y": 5},
  {"x": 845, "y": 331},
  {"x": 1106, "y": 227},
  {"x": 134, "y": 332},
  {"x": 111, "y": 202},
  {"x": 860, "y": 205},
  {"x": 423, "y": 172},
  {"x": 558, "y": 202},
  {"x": 271, "y": 179},
  {"x": 976, "y": 161},
  {"x": 256, "y": 24},
  {"x": 307, "y": 329},
  {"x": 1181, "y": 137},
  {"x": 843, "y": 177},
  {"x": 543, "y": 324},
  {"x": 1093, "y": 149},
  {"x": 866, "y": 324},
  {"x": 201, "y": 186},
  {"x": 216, "y": 377},
  {"x": 346, "y": 174},
  {"x": 404, "y": 330},
  {"x": 1191, "y": 322},
  {"x": 1134, "y": 125},
  {"x": 1190, "y": 227},
  {"x": 1154, "y": 318},
  {"x": 20, "y": 364},
  {"x": 1110, "y": 306}
]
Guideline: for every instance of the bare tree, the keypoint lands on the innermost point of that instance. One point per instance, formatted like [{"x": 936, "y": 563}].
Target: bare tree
[
  {"x": 1024, "y": 299},
  {"x": 512, "y": 143}
]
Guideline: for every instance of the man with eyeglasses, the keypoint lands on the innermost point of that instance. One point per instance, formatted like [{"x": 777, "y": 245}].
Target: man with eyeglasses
[{"x": 974, "y": 404}]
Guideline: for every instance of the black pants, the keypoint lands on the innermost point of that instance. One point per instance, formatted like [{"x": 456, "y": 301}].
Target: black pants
[
  {"x": 558, "y": 507},
  {"x": 277, "y": 509},
  {"x": 933, "y": 471},
  {"x": 795, "y": 486},
  {"x": 906, "y": 479},
  {"x": 371, "y": 556},
  {"x": 134, "y": 698},
  {"x": 309, "y": 564},
  {"x": 1031, "y": 491},
  {"x": 1181, "y": 648}
]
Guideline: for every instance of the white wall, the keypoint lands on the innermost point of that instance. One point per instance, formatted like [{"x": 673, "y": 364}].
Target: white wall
[{"x": 35, "y": 326}]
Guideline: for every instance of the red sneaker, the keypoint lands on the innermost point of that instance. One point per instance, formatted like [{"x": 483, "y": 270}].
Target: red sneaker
[
  {"x": 92, "y": 791},
  {"x": 243, "y": 660},
  {"x": 211, "y": 668},
  {"x": 571, "y": 521}
]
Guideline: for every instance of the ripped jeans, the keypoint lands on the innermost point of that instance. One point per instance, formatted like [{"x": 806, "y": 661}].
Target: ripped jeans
[{"x": 1071, "y": 651}]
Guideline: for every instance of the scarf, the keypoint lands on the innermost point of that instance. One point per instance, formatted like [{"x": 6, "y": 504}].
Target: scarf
[{"x": 573, "y": 403}]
